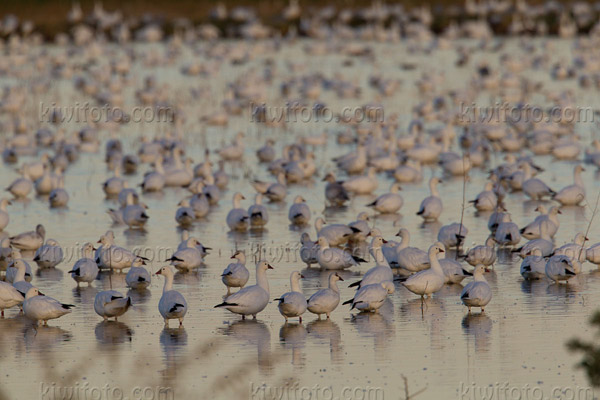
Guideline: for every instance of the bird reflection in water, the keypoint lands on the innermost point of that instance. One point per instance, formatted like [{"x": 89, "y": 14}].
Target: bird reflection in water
[
  {"x": 113, "y": 332},
  {"x": 84, "y": 294},
  {"x": 172, "y": 341},
  {"x": 379, "y": 326},
  {"x": 257, "y": 334},
  {"x": 479, "y": 326},
  {"x": 293, "y": 336},
  {"x": 325, "y": 330}
]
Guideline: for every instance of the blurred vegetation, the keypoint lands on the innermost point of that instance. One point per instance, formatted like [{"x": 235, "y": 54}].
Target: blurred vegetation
[{"x": 591, "y": 352}]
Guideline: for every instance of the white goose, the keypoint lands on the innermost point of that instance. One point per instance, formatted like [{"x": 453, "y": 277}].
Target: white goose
[
  {"x": 431, "y": 207},
  {"x": 486, "y": 200},
  {"x": 110, "y": 303},
  {"x": 371, "y": 297},
  {"x": 309, "y": 250},
  {"x": 507, "y": 232},
  {"x": 236, "y": 274},
  {"x": 364, "y": 184},
  {"x": 533, "y": 231},
  {"x": 326, "y": 300},
  {"x": 237, "y": 218},
  {"x": 29, "y": 240},
  {"x": 411, "y": 259},
  {"x": 39, "y": 307},
  {"x": 258, "y": 213},
  {"x": 293, "y": 304},
  {"x": 535, "y": 188},
  {"x": 388, "y": 203},
  {"x": 477, "y": 293},
  {"x": 452, "y": 235},
  {"x": 49, "y": 255},
  {"x": 185, "y": 214},
  {"x": 112, "y": 256},
  {"x": 336, "y": 234},
  {"x": 19, "y": 280},
  {"x": 172, "y": 304},
  {"x": 138, "y": 277},
  {"x": 560, "y": 268},
  {"x": 252, "y": 299},
  {"x": 428, "y": 281},
  {"x": 453, "y": 270},
  {"x": 333, "y": 257},
  {"x": 299, "y": 213},
  {"x": 534, "y": 265},
  {"x": 544, "y": 243},
  {"x": 9, "y": 297},
  {"x": 189, "y": 257},
  {"x": 574, "y": 194},
  {"x": 483, "y": 254},
  {"x": 381, "y": 271},
  {"x": 85, "y": 269},
  {"x": 575, "y": 250},
  {"x": 21, "y": 187}
]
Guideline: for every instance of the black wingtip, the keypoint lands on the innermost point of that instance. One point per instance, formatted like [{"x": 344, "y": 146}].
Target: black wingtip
[
  {"x": 347, "y": 302},
  {"x": 354, "y": 284}
]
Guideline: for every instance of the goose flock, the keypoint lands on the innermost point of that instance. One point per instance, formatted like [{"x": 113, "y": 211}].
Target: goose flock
[{"x": 420, "y": 201}]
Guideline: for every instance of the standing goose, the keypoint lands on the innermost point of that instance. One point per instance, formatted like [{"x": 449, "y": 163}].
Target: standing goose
[
  {"x": 85, "y": 269},
  {"x": 477, "y": 293},
  {"x": 452, "y": 235},
  {"x": 49, "y": 255},
  {"x": 110, "y": 303},
  {"x": 138, "y": 277},
  {"x": 299, "y": 213},
  {"x": 112, "y": 256},
  {"x": 534, "y": 265},
  {"x": 293, "y": 304},
  {"x": 560, "y": 268},
  {"x": 431, "y": 206},
  {"x": 483, "y": 254},
  {"x": 134, "y": 215},
  {"x": 371, "y": 297},
  {"x": 507, "y": 232},
  {"x": 535, "y": 188},
  {"x": 19, "y": 281},
  {"x": 333, "y": 257},
  {"x": 381, "y": 271},
  {"x": 172, "y": 304},
  {"x": 9, "y": 297},
  {"x": 453, "y": 270},
  {"x": 258, "y": 213},
  {"x": 335, "y": 193},
  {"x": 388, "y": 203},
  {"x": 411, "y": 259},
  {"x": 486, "y": 200},
  {"x": 39, "y": 307},
  {"x": 4, "y": 216},
  {"x": 326, "y": 300},
  {"x": 360, "y": 228},
  {"x": 309, "y": 250},
  {"x": 252, "y": 299},
  {"x": 185, "y": 214},
  {"x": 29, "y": 240},
  {"x": 364, "y": 184},
  {"x": 236, "y": 274},
  {"x": 574, "y": 194},
  {"x": 189, "y": 257},
  {"x": 430, "y": 280},
  {"x": 237, "y": 218}
]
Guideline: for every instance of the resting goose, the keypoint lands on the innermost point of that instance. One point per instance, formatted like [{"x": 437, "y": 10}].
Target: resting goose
[
  {"x": 326, "y": 300},
  {"x": 293, "y": 304},
  {"x": 236, "y": 274},
  {"x": 477, "y": 293},
  {"x": 39, "y": 307},
  {"x": 111, "y": 304}
]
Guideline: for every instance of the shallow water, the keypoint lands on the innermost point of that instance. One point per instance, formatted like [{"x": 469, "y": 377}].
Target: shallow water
[{"x": 436, "y": 345}]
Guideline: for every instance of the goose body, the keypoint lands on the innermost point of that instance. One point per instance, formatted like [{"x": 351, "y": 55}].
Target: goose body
[
  {"x": 236, "y": 274},
  {"x": 237, "y": 218},
  {"x": 371, "y": 297},
  {"x": 477, "y": 293},
  {"x": 483, "y": 254},
  {"x": 49, "y": 255},
  {"x": 32, "y": 240},
  {"x": 9, "y": 297},
  {"x": 324, "y": 301},
  {"x": 85, "y": 269},
  {"x": 252, "y": 299},
  {"x": 333, "y": 257},
  {"x": 111, "y": 304},
  {"x": 431, "y": 280},
  {"x": 559, "y": 268},
  {"x": 533, "y": 266},
  {"x": 293, "y": 304},
  {"x": 43, "y": 308},
  {"x": 138, "y": 277},
  {"x": 431, "y": 207},
  {"x": 172, "y": 304},
  {"x": 299, "y": 212}
]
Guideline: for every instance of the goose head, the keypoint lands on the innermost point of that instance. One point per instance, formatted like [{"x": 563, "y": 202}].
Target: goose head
[
  {"x": 165, "y": 271},
  {"x": 262, "y": 266}
]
